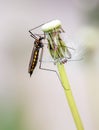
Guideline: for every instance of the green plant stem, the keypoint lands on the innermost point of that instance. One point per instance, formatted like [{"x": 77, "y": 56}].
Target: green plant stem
[
  {"x": 69, "y": 96},
  {"x": 52, "y": 31}
]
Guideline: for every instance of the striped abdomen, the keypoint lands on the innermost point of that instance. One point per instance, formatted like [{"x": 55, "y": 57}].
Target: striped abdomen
[{"x": 33, "y": 60}]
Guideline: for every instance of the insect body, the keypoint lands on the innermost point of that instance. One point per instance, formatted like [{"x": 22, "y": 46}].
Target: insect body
[{"x": 34, "y": 56}]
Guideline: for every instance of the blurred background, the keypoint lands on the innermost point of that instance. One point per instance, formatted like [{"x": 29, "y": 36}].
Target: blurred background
[{"x": 39, "y": 102}]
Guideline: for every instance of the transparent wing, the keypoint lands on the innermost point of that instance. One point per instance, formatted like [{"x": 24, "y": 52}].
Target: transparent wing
[{"x": 75, "y": 55}]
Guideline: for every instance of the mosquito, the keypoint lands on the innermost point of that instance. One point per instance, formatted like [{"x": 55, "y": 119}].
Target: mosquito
[{"x": 39, "y": 44}]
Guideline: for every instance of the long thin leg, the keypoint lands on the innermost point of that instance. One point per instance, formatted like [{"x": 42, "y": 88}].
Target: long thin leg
[
  {"x": 30, "y": 31},
  {"x": 36, "y": 27},
  {"x": 82, "y": 58},
  {"x": 39, "y": 35},
  {"x": 39, "y": 26},
  {"x": 40, "y": 66},
  {"x": 34, "y": 36}
]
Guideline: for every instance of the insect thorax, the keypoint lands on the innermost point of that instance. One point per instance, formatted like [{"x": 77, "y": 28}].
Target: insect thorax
[{"x": 38, "y": 44}]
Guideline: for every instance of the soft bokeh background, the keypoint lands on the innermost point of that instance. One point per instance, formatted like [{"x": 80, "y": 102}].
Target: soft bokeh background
[{"x": 39, "y": 103}]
